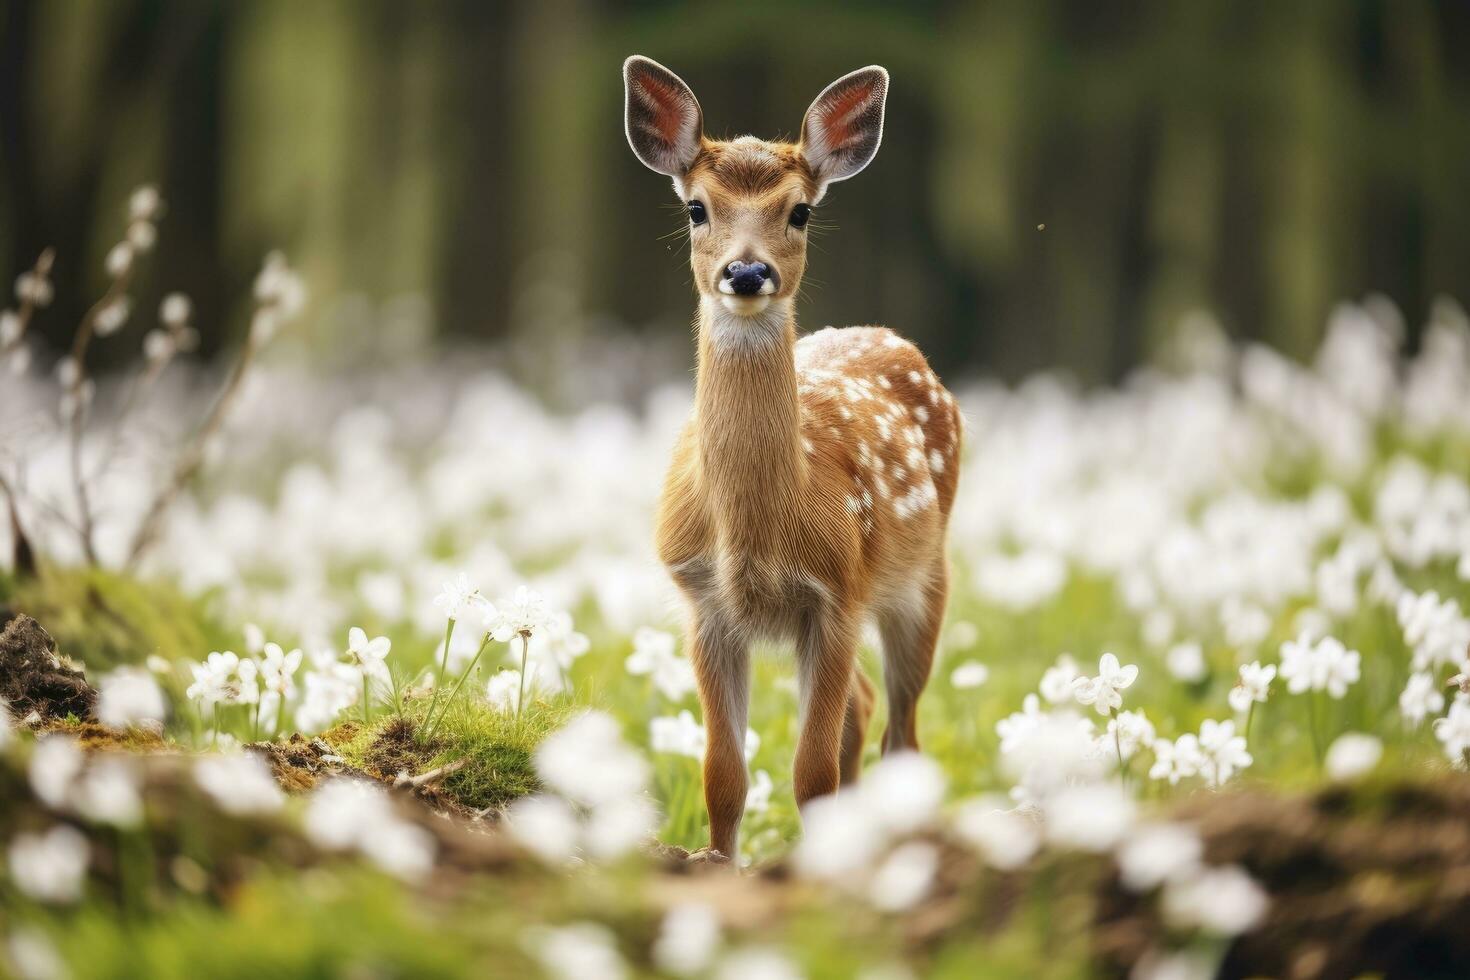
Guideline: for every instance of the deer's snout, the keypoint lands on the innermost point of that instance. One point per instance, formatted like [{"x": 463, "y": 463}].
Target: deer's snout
[{"x": 748, "y": 279}]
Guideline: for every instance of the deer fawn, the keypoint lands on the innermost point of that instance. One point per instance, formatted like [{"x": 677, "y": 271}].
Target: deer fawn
[{"x": 812, "y": 486}]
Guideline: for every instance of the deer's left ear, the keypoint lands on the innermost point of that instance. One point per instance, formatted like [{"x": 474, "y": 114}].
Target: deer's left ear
[{"x": 842, "y": 129}]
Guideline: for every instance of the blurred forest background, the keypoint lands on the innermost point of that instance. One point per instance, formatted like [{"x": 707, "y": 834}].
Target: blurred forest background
[{"x": 459, "y": 166}]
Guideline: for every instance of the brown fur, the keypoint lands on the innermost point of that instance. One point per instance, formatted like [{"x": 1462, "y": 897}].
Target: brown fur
[{"x": 810, "y": 491}]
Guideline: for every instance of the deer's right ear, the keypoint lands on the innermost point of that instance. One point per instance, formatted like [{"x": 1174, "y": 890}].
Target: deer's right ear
[{"x": 661, "y": 116}]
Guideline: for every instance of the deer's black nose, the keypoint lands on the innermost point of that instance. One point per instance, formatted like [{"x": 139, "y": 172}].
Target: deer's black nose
[{"x": 747, "y": 278}]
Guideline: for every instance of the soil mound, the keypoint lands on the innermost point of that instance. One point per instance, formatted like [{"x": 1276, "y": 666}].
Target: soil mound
[{"x": 33, "y": 678}]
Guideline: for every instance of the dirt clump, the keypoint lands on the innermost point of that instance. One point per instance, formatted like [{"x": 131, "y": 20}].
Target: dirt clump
[
  {"x": 1372, "y": 880},
  {"x": 34, "y": 678},
  {"x": 299, "y": 763}
]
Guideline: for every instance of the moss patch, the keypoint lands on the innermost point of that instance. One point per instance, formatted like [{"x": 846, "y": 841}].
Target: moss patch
[
  {"x": 105, "y": 619},
  {"x": 496, "y": 748}
]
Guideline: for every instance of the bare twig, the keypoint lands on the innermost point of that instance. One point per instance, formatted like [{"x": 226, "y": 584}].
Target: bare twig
[
  {"x": 192, "y": 456},
  {"x": 22, "y": 555},
  {"x": 432, "y": 776}
]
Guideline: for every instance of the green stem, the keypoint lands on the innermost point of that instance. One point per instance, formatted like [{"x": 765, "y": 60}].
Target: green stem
[
  {"x": 429, "y": 730},
  {"x": 1250, "y": 716},
  {"x": 364, "y": 698},
  {"x": 521, "y": 694},
  {"x": 1118, "y": 742},
  {"x": 443, "y": 668},
  {"x": 1312, "y": 722}
]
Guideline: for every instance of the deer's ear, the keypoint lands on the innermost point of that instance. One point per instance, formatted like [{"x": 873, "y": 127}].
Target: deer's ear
[
  {"x": 843, "y": 127},
  {"x": 661, "y": 116}
]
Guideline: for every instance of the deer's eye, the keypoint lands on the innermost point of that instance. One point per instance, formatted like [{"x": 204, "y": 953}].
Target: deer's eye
[
  {"x": 697, "y": 215},
  {"x": 800, "y": 214}
]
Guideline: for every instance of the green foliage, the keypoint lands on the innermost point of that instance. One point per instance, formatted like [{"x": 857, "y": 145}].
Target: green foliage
[{"x": 105, "y": 619}]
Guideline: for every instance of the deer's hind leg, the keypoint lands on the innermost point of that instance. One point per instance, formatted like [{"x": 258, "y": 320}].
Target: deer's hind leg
[
  {"x": 910, "y": 627},
  {"x": 860, "y": 702}
]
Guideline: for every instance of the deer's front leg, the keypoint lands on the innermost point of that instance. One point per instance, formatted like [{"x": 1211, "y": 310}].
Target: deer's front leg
[
  {"x": 722, "y": 668},
  {"x": 825, "y": 655}
]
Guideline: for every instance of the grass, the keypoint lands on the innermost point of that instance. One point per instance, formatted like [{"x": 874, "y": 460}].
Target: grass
[
  {"x": 105, "y": 619},
  {"x": 495, "y": 746}
]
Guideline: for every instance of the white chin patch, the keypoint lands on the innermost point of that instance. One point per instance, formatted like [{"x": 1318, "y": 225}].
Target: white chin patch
[{"x": 745, "y": 305}]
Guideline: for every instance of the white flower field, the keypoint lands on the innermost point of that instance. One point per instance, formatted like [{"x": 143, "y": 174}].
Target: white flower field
[{"x": 1231, "y": 577}]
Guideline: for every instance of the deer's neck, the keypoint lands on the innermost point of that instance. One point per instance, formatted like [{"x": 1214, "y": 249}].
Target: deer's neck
[{"x": 748, "y": 419}]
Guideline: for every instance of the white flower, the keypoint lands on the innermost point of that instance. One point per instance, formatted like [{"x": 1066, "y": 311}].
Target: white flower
[
  {"x": 254, "y": 639},
  {"x": 10, "y": 328},
  {"x": 678, "y": 735},
  {"x": 653, "y": 655},
  {"x": 1324, "y": 666},
  {"x": 614, "y": 828},
  {"x": 1185, "y": 964},
  {"x": 142, "y": 235},
  {"x": 50, "y": 867},
  {"x": 504, "y": 690},
  {"x": 968, "y": 675},
  {"x": 175, "y": 310},
  {"x": 1103, "y": 691},
  {"x": 904, "y": 876},
  {"x": 33, "y": 288},
  {"x": 278, "y": 287},
  {"x": 903, "y": 791},
  {"x": 1245, "y": 624},
  {"x": 1225, "y": 901},
  {"x": 1176, "y": 760},
  {"x": 241, "y": 785},
  {"x": 1420, "y": 698},
  {"x": 1017, "y": 726},
  {"x": 144, "y": 203},
  {"x": 109, "y": 793},
  {"x": 558, "y": 644},
  {"x": 1128, "y": 731},
  {"x": 1253, "y": 685},
  {"x": 589, "y": 763},
  {"x": 1089, "y": 817},
  {"x": 158, "y": 346},
  {"x": 1222, "y": 751},
  {"x": 756, "y": 963},
  {"x": 1352, "y": 755},
  {"x": 1004, "y": 838},
  {"x": 1340, "y": 664},
  {"x": 368, "y": 655},
  {"x": 758, "y": 795},
  {"x": 1155, "y": 853},
  {"x": 110, "y": 318},
  {"x": 119, "y": 261},
  {"x": 546, "y": 826},
  {"x": 33, "y": 957},
  {"x": 278, "y": 670},
  {"x": 839, "y": 838},
  {"x": 1186, "y": 662},
  {"x": 1056, "y": 682},
  {"x": 216, "y": 680},
  {"x": 345, "y": 814},
  {"x": 1433, "y": 629},
  {"x": 1453, "y": 731},
  {"x": 577, "y": 951},
  {"x": 688, "y": 939},
  {"x": 523, "y": 612},
  {"x": 458, "y": 597},
  {"x": 130, "y": 696},
  {"x": 55, "y": 763}
]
